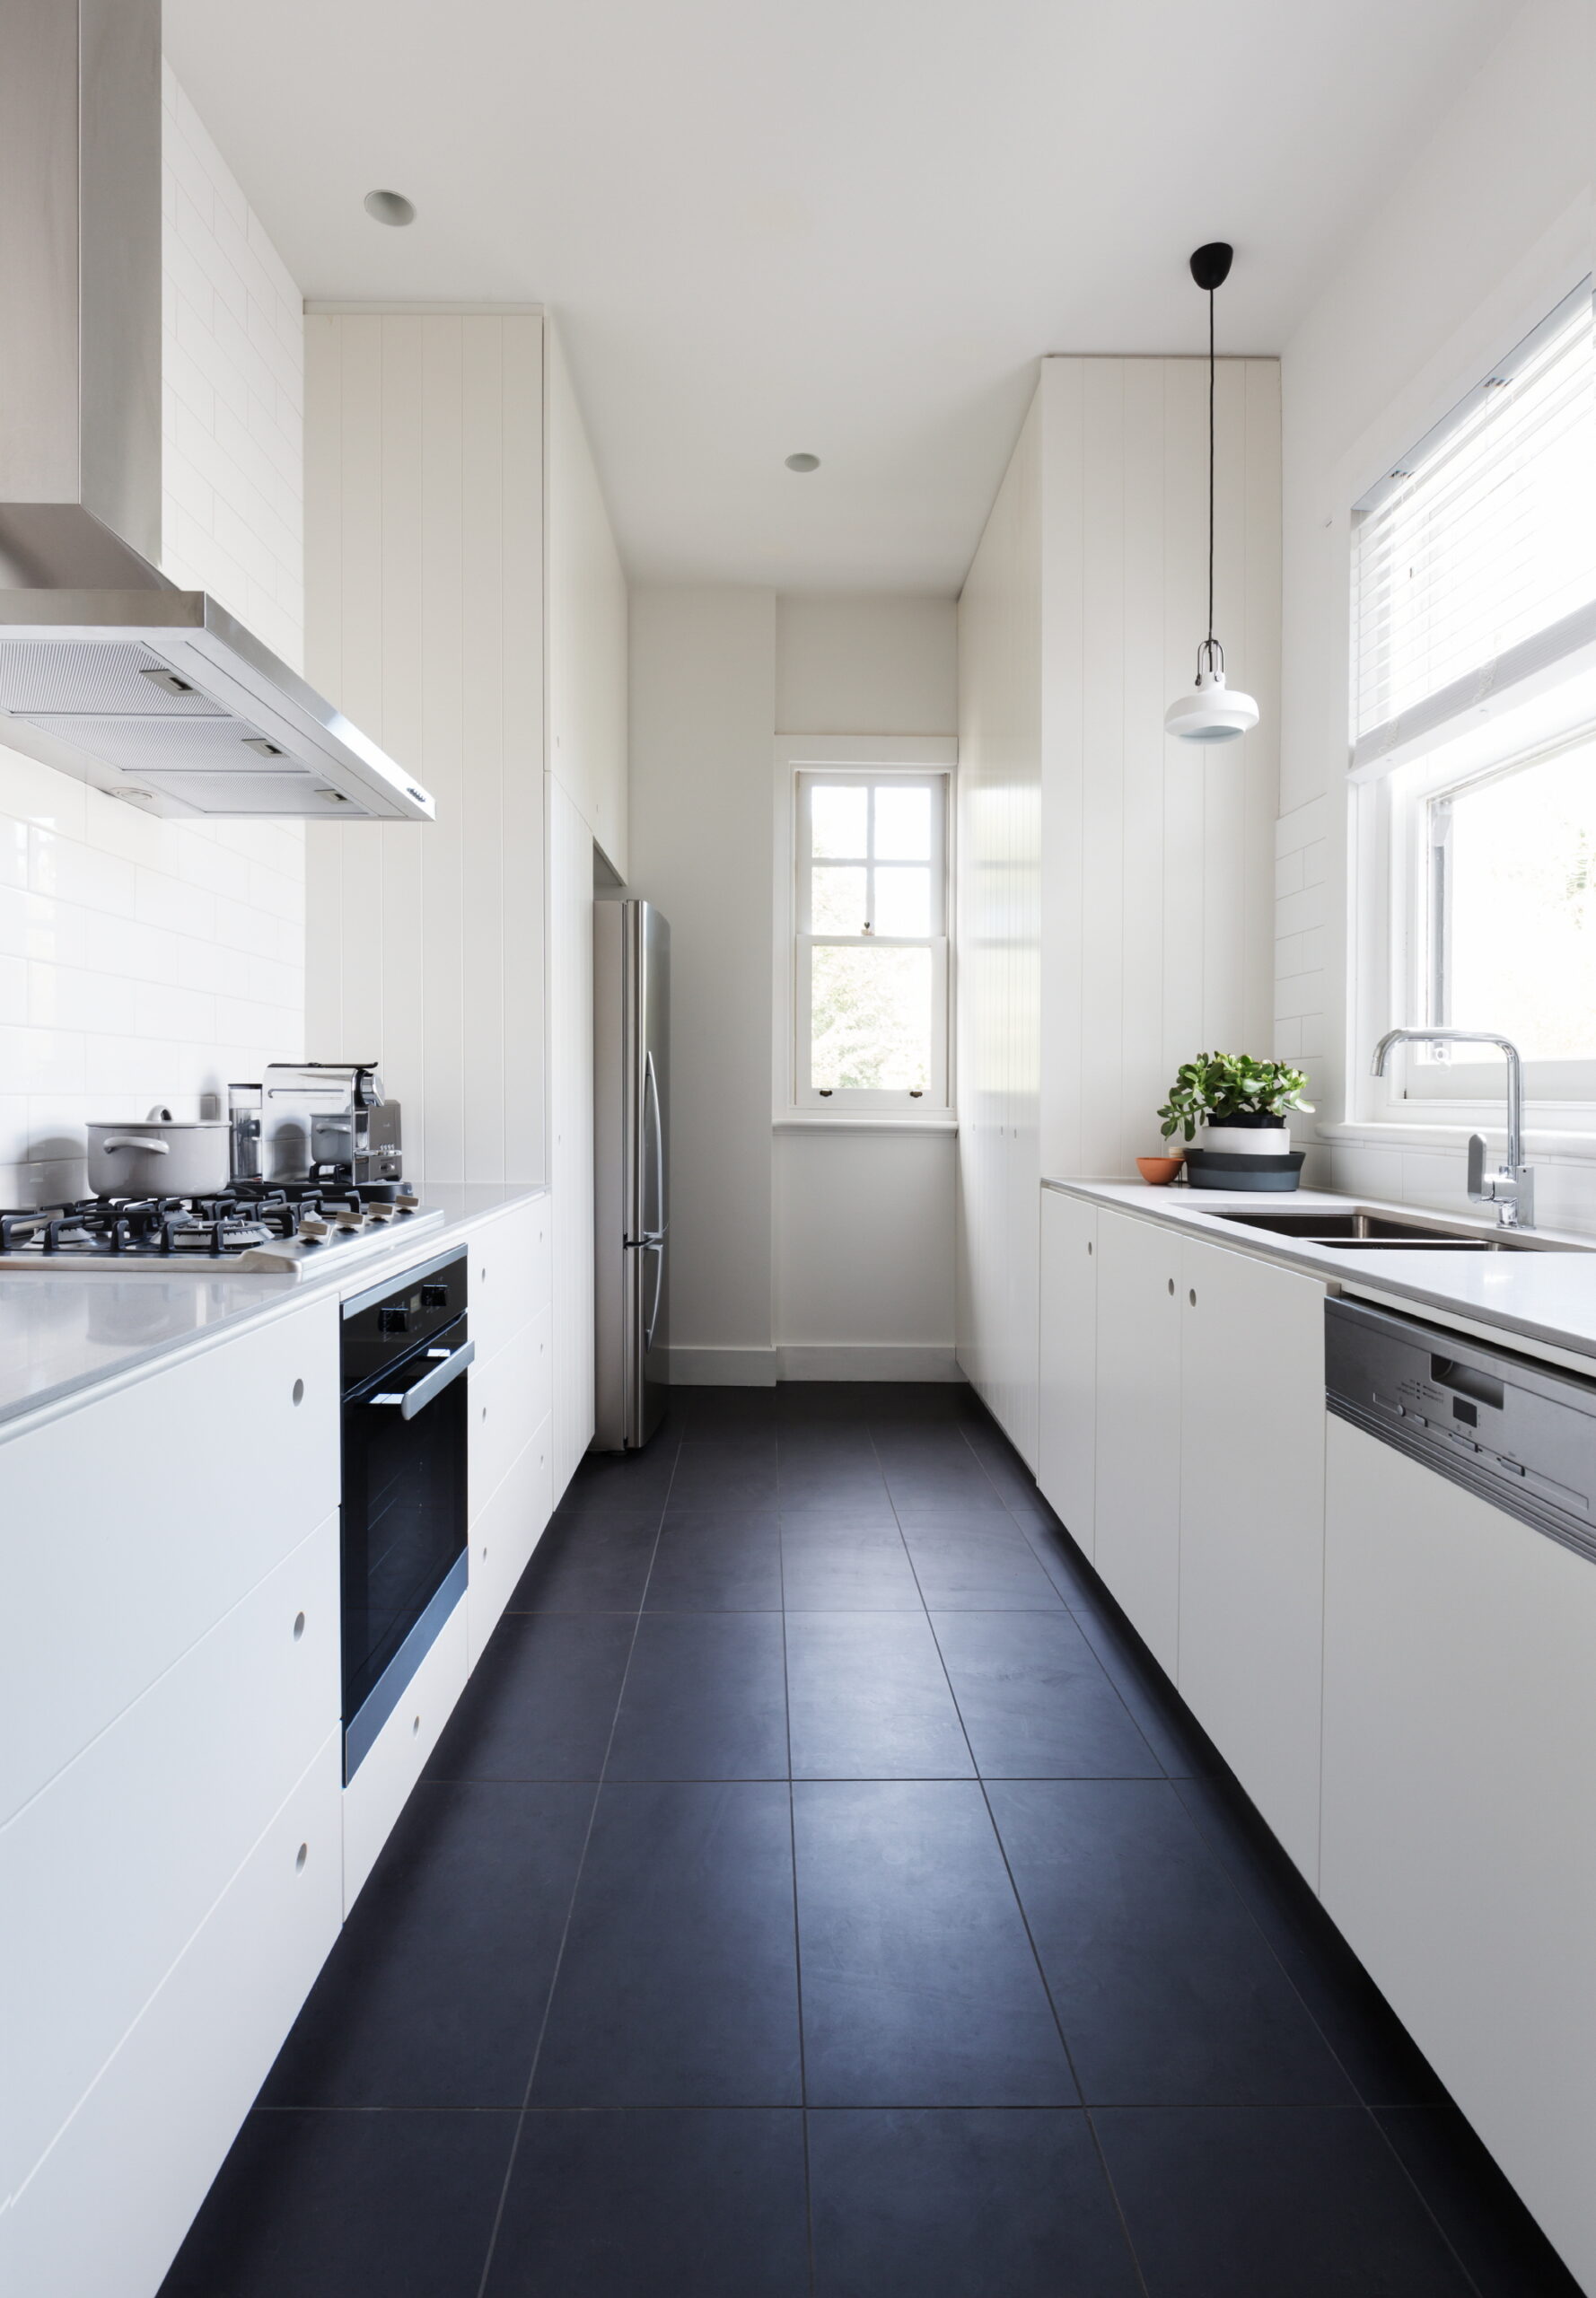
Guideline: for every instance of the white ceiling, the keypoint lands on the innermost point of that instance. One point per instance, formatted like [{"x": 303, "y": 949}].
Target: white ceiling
[{"x": 845, "y": 226}]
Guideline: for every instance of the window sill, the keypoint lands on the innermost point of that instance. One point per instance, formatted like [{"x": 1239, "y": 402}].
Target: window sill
[
  {"x": 1575, "y": 1146},
  {"x": 802, "y": 1122}
]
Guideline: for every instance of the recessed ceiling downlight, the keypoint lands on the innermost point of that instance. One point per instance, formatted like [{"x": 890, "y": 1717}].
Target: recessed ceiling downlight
[
  {"x": 804, "y": 463},
  {"x": 389, "y": 208}
]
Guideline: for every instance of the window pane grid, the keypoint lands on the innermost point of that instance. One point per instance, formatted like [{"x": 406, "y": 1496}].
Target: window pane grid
[{"x": 871, "y": 995}]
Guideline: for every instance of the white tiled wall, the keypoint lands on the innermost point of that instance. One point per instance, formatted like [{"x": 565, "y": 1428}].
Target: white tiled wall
[{"x": 141, "y": 961}]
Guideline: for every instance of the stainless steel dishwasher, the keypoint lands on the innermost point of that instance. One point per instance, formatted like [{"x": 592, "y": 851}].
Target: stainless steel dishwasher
[
  {"x": 1458, "y": 1831},
  {"x": 1519, "y": 1431}
]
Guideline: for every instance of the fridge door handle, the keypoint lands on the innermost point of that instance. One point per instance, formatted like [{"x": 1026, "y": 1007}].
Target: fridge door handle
[
  {"x": 651, "y": 1086},
  {"x": 656, "y": 1246}
]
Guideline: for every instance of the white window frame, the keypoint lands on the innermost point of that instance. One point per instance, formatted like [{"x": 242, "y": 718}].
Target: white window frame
[
  {"x": 1422, "y": 1101},
  {"x": 1444, "y": 1086},
  {"x": 797, "y": 1102}
]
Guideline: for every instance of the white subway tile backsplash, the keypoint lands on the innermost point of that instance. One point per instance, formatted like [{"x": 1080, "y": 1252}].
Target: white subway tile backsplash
[
  {"x": 1295, "y": 912},
  {"x": 145, "y": 961},
  {"x": 1316, "y": 863},
  {"x": 42, "y": 1061},
  {"x": 72, "y": 998}
]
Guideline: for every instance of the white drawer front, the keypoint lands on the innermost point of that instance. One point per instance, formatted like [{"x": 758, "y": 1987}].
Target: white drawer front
[
  {"x": 509, "y": 1401},
  {"x": 128, "y": 1528},
  {"x": 103, "y": 2214},
  {"x": 511, "y": 1274},
  {"x": 504, "y": 1535},
  {"x": 109, "y": 1872},
  {"x": 397, "y": 1756}
]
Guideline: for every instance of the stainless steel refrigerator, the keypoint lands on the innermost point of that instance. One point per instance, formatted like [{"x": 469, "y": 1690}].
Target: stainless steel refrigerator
[{"x": 631, "y": 1170}]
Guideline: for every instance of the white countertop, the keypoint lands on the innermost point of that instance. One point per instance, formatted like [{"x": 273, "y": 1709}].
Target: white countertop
[
  {"x": 1544, "y": 1295},
  {"x": 64, "y": 1329}
]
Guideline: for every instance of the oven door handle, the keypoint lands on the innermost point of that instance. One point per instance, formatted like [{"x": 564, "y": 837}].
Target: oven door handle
[{"x": 410, "y": 1401}]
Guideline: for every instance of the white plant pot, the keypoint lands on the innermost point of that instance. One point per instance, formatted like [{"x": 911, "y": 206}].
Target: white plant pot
[{"x": 1248, "y": 1140}]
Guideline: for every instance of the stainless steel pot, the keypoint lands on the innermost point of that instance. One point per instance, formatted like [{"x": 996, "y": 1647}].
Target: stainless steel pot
[{"x": 159, "y": 1156}]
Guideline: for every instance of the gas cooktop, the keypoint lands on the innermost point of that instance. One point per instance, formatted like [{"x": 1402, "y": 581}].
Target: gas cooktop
[{"x": 286, "y": 1228}]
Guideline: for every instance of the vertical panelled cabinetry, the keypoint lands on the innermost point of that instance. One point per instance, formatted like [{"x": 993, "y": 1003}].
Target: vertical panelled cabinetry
[
  {"x": 1067, "y": 1469},
  {"x": 1138, "y": 1426},
  {"x": 170, "y": 1776},
  {"x": 1117, "y": 888},
  {"x": 1183, "y": 1420},
  {"x": 511, "y": 1470},
  {"x": 465, "y": 595}
]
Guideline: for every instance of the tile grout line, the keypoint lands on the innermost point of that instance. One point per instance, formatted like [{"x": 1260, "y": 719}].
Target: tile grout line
[
  {"x": 1358, "y": 2101},
  {"x": 809, "y": 2215},
  {"x": 1102, "y": 2160},
  {"x": 498, "y": 2217}
]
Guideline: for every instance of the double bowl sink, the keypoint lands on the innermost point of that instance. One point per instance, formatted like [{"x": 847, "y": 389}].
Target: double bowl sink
[{"x": 1360, "y": 1231}]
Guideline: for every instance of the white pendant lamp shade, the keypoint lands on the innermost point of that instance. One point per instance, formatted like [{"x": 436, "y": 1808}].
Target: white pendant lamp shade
[{"x": 1212, "y": 712}]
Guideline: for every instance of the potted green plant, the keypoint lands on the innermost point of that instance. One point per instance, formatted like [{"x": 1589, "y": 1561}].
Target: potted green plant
[{"x": 1243, "y": 1106}]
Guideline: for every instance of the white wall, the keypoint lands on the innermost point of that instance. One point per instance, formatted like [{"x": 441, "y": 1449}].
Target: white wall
[
  {"x": 702, "y": 679},
  {"x": 144, "y": 960},
  {"x": 1116, "y": 886},
  {"x": 1491, "y": 225},
  {"x": 798, "y": 1253},
  {"x": 424, "y": 566},
  {"x": 587, "y": 622}
]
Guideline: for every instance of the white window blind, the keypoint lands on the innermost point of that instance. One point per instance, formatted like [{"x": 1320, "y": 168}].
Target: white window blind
[{"x": 1474, "y": 563}]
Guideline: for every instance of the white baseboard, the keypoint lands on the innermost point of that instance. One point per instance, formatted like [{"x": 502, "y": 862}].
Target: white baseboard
[
  {"x": 723, "y": 1368},
  {"x": 761, "y": 1368},
  {"x": 866, "y": 1361}
]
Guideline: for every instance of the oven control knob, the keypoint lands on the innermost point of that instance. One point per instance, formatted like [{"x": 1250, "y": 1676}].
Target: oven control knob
[
  {"x": 393, "y": 1320},
  {"x": 435, "y": 1296}
]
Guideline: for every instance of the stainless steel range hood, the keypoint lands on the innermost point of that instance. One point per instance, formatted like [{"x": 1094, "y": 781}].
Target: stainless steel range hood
[{"x": 107, "y": 671}]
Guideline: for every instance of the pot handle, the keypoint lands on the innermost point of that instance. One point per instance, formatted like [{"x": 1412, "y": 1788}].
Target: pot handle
[
  {"x": 138, "y": 1141},
  {"x": 159, "y": 1116}
]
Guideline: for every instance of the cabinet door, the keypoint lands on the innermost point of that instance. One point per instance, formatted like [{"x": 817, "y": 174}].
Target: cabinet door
[
  {"x": 1068, "y": 1466},
  {"x": 1252, "y": 1424},
  {"x": 1138, "y": 1424},
  {"x": 1459, "y": 1808}
]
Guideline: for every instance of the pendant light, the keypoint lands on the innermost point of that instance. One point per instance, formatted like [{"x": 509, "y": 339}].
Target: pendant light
[{"x": 1213, "y": 712}]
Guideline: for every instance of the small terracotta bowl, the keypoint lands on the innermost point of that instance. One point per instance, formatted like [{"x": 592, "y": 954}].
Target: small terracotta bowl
[{"x": 1159, "y": 1171}]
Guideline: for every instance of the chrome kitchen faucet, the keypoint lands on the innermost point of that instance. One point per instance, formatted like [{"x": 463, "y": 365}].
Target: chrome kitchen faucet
[{"x": 1510, "y": 1189}]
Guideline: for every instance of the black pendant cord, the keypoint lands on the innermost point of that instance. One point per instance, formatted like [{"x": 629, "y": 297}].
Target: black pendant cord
[{"x": 1210, "y": 467}]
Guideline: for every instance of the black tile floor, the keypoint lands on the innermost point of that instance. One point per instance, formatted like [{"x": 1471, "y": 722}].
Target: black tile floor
[{"x": 821, "y": 1893}]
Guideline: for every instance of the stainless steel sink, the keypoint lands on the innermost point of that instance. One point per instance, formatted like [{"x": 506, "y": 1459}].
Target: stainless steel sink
[{"x": 1362, "y": 1231}]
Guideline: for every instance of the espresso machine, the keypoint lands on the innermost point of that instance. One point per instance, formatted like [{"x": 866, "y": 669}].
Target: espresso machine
[{"x": 316, "y": 1120}]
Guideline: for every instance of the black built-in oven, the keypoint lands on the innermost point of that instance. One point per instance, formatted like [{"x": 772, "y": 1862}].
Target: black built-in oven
[{"x": 403, "y": 1539}]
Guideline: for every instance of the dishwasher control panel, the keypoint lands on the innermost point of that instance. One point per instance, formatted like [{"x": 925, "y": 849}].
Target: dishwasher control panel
[{"x": 1518, "y": 1432}]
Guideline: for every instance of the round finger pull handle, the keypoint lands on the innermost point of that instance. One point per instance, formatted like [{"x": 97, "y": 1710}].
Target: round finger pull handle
[
  {"x": 415, "y": 1725},
  {"x": 299, "y": 1626},
  {"x": 300, "y": 1857},
  {"x": 1171, "y": 1288},
  {"x": 299, "y": 1392},
  {"x": 1191, "y": 1296}
]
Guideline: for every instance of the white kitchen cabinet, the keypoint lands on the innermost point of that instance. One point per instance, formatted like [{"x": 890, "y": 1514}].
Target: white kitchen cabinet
[
  {"x": 398, "y": 1756},
  {"x": 102, "y": 2215},
  {"x": 1067, "y": 1469},
  {"x": 509, "y": 1399},
  {"x": 510, "y": 1276},
  {"x": 107, "y": 1873},
  {"x": 1137, "y": 1547},
  {"x": 1459, "y": 1846},
  {"x": 129, "y": 1525},
  {"x": 1251, "y": 1468},
  {"x": 503, "y": 1536}
]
